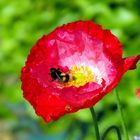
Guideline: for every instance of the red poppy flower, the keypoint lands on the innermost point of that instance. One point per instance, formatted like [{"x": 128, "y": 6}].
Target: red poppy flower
[{"x": 72, "y": 68}]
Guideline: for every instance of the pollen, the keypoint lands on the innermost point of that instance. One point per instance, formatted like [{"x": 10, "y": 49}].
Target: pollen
[
  {"x": 80, "y": 75},
  {"x": 67, "y": 108}
]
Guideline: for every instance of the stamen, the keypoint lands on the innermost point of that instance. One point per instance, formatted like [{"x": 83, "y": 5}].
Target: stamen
[{"x": 80, "y": 76}]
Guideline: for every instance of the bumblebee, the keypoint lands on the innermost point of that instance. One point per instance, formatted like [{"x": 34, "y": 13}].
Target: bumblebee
[{"x": 56, "y": 74}]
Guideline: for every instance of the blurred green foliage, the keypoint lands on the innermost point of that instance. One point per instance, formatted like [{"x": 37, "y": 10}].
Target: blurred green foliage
[{"x": 22, "y": 23}]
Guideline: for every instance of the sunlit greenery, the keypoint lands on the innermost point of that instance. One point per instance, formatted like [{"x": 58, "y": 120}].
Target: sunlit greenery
[{"x": 22, "y": 23}]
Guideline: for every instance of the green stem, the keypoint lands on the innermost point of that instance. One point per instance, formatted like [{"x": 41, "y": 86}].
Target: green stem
[
  {"x": 109, "y": 129},
  {"x": 121, "y": 114},
  {"x": 95, "y": 123}
]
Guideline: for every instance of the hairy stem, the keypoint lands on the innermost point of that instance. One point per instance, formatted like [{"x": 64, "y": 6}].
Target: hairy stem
[
  {"x": 95, "y": 123},
  {"x": 121, "y": 115},
  {"x": 109, "y": 129}
]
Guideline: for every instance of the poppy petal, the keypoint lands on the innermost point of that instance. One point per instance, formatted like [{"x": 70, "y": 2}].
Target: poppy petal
[{"x": 130, "y": 62}]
